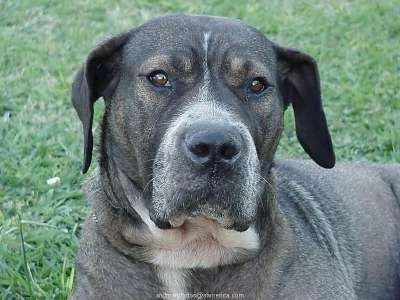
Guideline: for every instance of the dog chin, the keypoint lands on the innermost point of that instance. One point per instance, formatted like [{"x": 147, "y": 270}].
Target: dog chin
[
  {"x": 219, "y": 210},
  {"x": 201, "y": 242}
]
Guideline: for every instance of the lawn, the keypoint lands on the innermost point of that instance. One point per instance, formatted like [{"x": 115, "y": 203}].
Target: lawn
[{"x": 42, "y": 44}]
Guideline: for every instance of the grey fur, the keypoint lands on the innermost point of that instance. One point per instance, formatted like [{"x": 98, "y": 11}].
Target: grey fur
[{"x": 309, "y": 232}]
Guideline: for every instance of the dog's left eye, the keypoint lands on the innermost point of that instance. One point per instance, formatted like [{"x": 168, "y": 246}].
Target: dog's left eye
[
  {"x": 159, "y": 78},
  {"x": 258, "y": 85}
]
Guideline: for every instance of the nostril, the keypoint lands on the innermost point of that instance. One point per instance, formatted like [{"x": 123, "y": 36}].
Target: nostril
[
  {"x": 228, "y": 151},
  {"x": 211, "y": 144},
  {"x": 200, "y": 149}
]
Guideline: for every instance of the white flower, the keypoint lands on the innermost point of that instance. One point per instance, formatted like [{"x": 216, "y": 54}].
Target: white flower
[{"x": 53, "y": 181}]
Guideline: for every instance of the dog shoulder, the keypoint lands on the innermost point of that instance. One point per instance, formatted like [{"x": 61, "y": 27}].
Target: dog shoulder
[{"x": 390, "y": 173}]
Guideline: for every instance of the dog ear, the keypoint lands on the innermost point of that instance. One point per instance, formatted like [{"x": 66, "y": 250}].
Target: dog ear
[
  {"x": 299, "y": 84},
  {"x": 97, "y": 78}
]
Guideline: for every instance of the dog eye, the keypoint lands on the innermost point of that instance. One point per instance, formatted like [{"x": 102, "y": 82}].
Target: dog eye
[
  {"x": 159, "y": 78},
  {"x": 257, "y": 85}
]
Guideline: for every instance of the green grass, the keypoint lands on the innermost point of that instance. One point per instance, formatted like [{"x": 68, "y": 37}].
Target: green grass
[{"x": 42, "y": 44}]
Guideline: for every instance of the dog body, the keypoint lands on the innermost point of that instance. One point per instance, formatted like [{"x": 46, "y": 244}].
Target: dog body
[{"x": 188, "y": 197}]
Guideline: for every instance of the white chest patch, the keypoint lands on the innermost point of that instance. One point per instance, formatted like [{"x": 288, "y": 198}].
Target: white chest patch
[{"x": 198, "y": 243}]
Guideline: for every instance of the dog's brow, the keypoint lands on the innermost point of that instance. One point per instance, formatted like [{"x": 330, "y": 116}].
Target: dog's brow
[
  {"x": 180, "y": 62},
  {"x": 239, "y": 68}
]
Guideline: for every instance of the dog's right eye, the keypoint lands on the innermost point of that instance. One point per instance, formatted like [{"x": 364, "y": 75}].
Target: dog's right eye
[{"x": 159, "y": 78}]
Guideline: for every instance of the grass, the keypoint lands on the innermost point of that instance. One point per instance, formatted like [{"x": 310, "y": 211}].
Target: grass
[{"x": 43, "y": 42}]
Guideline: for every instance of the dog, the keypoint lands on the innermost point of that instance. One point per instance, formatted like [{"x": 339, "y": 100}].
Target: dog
[{"x": 188, "y": 200}]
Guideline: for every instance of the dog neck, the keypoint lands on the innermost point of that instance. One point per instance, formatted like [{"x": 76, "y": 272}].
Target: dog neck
[{"x": 174, "y": 254}]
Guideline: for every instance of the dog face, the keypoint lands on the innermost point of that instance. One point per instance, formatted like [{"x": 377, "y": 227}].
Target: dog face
[{"x": 194, "y": 112}]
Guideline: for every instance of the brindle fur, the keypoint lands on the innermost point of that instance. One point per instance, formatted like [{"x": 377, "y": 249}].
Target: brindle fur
[{"x": 323, "y": 233}]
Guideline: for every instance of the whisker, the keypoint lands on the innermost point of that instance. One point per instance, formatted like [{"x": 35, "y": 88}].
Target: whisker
[
  {"x": 150, "y": 160},
  {"x": 266, "y": 181},
  {"x": 148, "y": 184}
]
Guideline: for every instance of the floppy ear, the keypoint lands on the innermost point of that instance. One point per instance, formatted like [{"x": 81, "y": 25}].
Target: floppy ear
[
  {"x": 97, "y": 78},
  {"x": 299, "y": 84}
]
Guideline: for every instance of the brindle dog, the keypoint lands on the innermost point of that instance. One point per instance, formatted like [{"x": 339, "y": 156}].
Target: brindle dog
[{"x": 188, "y": 197}]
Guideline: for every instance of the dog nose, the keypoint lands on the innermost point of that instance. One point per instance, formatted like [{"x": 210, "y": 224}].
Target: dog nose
[{"x": 210, "y": 143}]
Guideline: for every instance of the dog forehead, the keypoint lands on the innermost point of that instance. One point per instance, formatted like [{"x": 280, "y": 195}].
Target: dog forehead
[{"x": 180, "y": 32}]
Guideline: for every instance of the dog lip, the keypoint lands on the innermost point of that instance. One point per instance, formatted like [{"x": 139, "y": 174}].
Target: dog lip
[
  {"x": 162, "y": 224},
  {"x": 179, "y": 221}
]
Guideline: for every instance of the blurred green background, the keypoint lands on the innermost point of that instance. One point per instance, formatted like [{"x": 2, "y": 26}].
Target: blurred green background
[{"x": 43, "y": 42}]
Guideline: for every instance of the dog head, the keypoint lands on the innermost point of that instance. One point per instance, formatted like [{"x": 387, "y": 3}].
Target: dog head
[{"x": 194, "y": 112}]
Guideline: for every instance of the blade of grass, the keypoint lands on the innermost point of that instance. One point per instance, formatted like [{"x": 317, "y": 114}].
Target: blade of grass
[{"x": 27, "y": 271}]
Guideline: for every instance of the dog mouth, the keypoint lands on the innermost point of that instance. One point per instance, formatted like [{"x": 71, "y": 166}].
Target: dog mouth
[
  {"x": 181, "y": 220},
  {"x": 209, "y": 226},
  {"x": 224, "y": 201},
  {"x": 196, "y": 218}
]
